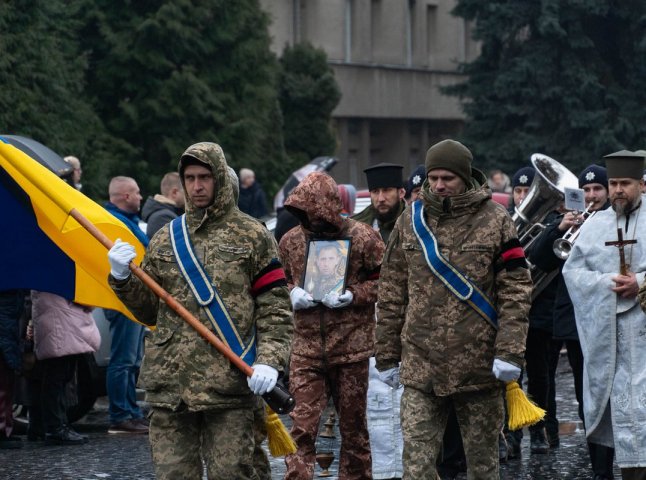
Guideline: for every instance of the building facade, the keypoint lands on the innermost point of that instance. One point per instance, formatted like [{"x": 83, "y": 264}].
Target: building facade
[{"x": 390, "y": 58}]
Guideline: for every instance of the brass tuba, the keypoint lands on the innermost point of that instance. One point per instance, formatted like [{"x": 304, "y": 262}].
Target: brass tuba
[{"x": 545, "y": 194}]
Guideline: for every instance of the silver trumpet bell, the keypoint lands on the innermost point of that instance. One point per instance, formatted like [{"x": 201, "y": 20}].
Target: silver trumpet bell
[
  {"x": 563, "y": 246},
  {"x": 545, "y": 193}
]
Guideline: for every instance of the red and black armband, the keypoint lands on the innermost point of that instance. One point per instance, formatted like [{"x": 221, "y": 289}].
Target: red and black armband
[
  {"x": 271, "y": 276},
  {"x": 512, "y": 256}
]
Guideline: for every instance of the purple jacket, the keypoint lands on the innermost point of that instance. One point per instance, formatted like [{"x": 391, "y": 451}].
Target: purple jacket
[{"x": 62, "y": 327}]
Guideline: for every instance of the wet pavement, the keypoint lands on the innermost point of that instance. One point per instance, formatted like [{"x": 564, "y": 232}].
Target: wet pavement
[{"x": 128, "y": 457}]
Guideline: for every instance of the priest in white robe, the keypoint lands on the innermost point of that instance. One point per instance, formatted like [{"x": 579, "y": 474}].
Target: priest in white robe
[{"x": 610, "y": 322}]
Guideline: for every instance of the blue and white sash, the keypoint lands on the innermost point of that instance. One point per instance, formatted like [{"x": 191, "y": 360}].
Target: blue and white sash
[
  {"x": 206, "y": 293},
  {"x": 454, "y": 280}
]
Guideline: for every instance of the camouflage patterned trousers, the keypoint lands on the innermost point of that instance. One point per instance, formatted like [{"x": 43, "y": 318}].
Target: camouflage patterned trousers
[
  {"x": 223, "y": 438},
  {"x": 260, "y": 459},
  {"x": 312, "y": 385},
  {"x": 424, "y": 416}
]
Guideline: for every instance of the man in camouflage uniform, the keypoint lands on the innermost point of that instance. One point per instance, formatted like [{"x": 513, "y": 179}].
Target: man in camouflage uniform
[
  {"x": 386, "y": 198},
  {"x": 334, "y": 339},
  {"x": 450, "y": 355},
  {"x": 201, "y": 407}
]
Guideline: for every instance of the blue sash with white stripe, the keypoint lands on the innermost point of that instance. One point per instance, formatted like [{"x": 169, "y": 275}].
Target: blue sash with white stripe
[
  {"x": 206, "y": 293},
  {"x": 454, "y": 280}
]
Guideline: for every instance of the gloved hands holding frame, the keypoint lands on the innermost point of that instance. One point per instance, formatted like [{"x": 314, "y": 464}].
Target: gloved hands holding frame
[
  {"x": 334, "y": 300},
  {"x": 301, "y": 299}
]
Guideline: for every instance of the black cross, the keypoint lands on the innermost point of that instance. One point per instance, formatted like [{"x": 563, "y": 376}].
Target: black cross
[{"x": 620, "y": 244}]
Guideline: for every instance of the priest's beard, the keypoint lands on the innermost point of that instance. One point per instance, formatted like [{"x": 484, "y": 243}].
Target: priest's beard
[
  {"x": 391, "y": 214},
  {"x": 623, "y": 205}
]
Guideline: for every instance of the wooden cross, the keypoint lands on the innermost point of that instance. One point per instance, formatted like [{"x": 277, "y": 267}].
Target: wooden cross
[{"x": 620, "y": 244}]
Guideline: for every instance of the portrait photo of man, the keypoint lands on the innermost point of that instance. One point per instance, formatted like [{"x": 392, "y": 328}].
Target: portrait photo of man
[{"x": 326, "y": 267}]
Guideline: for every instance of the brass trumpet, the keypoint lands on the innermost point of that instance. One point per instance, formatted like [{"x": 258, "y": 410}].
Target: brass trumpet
[{"x": 563, "y": 246}]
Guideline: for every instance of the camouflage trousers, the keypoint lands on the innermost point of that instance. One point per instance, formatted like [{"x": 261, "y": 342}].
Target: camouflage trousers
[
  {"x": 424, "y": 417},
  {"x": 312, "y": 385},
  {"x": 260, "y": 460},
  {"x": 223, "y": 439}
]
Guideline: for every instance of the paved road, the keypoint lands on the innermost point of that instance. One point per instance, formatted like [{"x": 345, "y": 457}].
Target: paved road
[{"x": 128, "y": 457}]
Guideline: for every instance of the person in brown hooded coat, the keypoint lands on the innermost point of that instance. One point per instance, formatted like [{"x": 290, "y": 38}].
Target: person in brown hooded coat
[{"x": 334, "y": 339}]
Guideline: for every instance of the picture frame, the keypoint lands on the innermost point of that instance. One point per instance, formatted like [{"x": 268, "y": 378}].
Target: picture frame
[{"x": 326, "y": 267}]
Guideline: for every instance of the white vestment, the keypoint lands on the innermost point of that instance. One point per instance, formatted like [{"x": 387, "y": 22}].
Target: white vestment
[
  {"x": 612, "y": 331},
  {"x": 384, "y": 427}
]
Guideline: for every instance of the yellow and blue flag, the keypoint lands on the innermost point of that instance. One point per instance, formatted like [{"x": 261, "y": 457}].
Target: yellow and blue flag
[{"x": 42, "y": 247}]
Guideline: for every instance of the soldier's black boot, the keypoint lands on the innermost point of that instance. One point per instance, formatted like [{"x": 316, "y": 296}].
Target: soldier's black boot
[{"x": 537, "y": 440}]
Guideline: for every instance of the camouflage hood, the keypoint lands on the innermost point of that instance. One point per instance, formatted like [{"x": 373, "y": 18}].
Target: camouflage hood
[
  {"x": 209, "y": 155},
  {"x": 316, "y": 198},
  {"x": 477, "y": 192}
]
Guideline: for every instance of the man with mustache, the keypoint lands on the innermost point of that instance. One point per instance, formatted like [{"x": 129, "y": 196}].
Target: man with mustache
[
  {"x": 453, "y": 303},
  {"x": 386, "y": 198},
  {"x": 603, "y": 275}
]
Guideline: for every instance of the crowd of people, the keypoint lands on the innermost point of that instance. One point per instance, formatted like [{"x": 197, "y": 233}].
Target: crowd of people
[{"x": 424, "y": 305}]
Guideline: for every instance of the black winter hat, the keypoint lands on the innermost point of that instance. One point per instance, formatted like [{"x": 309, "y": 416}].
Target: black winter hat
[
  {"x": 593, "y": 174},
  {"x": 523, "y": 177}
]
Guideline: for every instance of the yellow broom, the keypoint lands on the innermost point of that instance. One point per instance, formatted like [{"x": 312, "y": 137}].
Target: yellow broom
[
  {"x": 521, "y": 411},
  {"x": 279, "y": 440}
]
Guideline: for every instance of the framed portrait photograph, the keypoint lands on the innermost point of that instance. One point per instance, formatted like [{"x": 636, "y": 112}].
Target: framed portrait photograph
[{"x": 326, "y": 267}]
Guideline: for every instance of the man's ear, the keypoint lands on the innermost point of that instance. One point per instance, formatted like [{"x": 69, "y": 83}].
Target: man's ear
[{"x": 402, "y": 193}]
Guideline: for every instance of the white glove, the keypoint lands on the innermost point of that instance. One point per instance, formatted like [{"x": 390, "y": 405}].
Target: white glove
[
  {"x": 334, "y": 300},
  {"x": 120, "y": 256},
  {"x": 505, "y": 371},
  {"x": 390, "y": 377},
  {"x": 263, "y": 379},
  {"x": 301, "y": 299}
]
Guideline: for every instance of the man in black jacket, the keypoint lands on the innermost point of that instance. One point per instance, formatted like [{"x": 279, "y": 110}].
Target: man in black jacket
[
  {"x": 162, "y": 208},
  {"x": 252, "y": 199}
]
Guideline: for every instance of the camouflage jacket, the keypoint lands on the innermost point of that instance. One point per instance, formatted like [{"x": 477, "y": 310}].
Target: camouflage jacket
[
  {"x": 443, "y": 344},
  {"x": 369, "y": 214},
  {"x": 239, "y": 255},
  {"x": 342, "y": 335}
]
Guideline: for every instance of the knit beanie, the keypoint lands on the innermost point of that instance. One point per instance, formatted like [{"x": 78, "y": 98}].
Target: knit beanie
[
  {"x": 523, "y": 177},
  {"x": 593, "y": 174},
  {"x": 450, "y": 155}
]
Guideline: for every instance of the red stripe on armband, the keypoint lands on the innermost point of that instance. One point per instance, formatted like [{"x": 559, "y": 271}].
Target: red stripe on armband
[
  {"x": 513, "y": 253},
  {"x": 275, "y": 277}
]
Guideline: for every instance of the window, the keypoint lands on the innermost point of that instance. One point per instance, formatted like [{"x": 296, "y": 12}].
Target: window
[
  {"x": 410, "y": 32},
  {"x": 349, "y": 10},
  {"x": 431, "y": 33}
]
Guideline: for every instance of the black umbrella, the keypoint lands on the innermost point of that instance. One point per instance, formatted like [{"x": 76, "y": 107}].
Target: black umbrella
[
  {"x": 319, "y": 164},
  {"x": 39, "y": 152}
]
